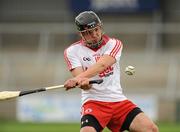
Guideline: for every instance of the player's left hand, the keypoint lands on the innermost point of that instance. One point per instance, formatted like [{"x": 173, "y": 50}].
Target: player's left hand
[
  {"x": 82, "y": 83},
  {"x": 70, "y": 83}
]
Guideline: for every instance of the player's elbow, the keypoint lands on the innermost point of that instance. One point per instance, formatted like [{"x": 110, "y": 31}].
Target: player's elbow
[{"x": 102, "y": 66}]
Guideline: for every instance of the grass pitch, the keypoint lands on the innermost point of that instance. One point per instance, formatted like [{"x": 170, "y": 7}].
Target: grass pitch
[{"x": 6, "y": 126}]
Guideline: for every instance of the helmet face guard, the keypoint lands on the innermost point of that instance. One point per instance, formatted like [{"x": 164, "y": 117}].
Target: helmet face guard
[
  {"x": 92, "y": 37},
  {"x": 90, "y": 27}
]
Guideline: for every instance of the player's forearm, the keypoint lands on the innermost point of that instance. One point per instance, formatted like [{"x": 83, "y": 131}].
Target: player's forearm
[
  {"x": 93, "y": 70},
  {"x": 103, "y": 63}
]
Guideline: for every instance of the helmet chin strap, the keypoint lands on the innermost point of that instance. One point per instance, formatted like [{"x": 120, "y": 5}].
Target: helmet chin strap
[{"x": 95, "y": 45}]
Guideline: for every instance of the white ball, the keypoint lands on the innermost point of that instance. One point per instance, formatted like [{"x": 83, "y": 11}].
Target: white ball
[{"x": 130, "y": 70}]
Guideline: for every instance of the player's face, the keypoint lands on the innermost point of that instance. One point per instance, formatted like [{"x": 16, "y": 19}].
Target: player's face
[{"x": 92, "y": 36}]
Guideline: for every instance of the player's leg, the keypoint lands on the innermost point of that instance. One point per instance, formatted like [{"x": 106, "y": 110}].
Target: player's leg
[
  {"x": 88, "y": 129},
  {"x": 90, "y": 124},
  {"x": 142, "y": 123},
  {"x": 95, "y": 116},
  {"x": 124, "y": 112}
]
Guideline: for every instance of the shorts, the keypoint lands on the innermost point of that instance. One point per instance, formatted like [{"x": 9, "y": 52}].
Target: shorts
[{"x": 110, "y": 114}]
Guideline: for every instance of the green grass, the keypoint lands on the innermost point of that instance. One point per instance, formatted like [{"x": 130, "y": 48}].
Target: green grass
[
  {"x": 65, "y": 127},
  {"x": 169, "y": 127}
]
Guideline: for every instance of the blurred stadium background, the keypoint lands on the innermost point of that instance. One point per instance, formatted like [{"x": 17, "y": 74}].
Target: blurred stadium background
[{"x": 34, "y": 34}]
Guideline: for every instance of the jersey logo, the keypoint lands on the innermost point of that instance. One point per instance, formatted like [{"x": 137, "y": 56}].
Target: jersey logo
[
  {"x": 86, "y": 59},
  {"x": 107, "y": 72}
]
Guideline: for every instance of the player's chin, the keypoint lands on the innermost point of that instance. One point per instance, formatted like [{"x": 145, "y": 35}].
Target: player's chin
[{"x": 92, "y": 42}]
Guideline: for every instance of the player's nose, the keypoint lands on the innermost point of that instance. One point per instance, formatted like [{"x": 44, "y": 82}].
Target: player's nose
[{"x": 94, "y": 34}]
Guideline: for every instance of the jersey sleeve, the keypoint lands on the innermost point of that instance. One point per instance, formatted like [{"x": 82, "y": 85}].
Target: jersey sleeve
[
  {"x": 114, "y": 48},
  {"x": 71, "y": 59}
]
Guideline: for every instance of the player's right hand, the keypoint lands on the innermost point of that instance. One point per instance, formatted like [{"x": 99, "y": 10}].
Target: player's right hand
[{"x": 83, "y": 83}]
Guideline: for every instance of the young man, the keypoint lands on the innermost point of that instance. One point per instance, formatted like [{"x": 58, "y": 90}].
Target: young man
[{"x": 97, "y": 56}]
